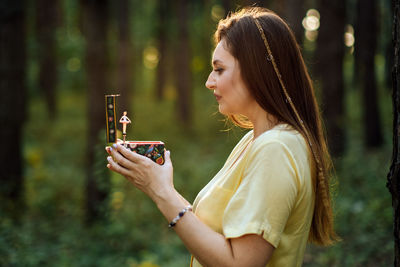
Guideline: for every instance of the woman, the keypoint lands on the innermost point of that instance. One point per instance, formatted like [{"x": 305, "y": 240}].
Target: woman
[{"x": 272, "y": 194}]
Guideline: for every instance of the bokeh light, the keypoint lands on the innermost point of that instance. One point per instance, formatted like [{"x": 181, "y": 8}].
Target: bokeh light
[
  {"x": 73, "y": 64},
  {"x": 198, "y": 64},
  {"x": 217, "y": 12},
  {"x": 117, "y": 200},
  {"x": 349, "y": 39},
  {"x": 150, "y": 57},
  {"x": 311, "y": 24},
  {"x": 311, "y": 35},
  {"x": 313, "y": 12}
]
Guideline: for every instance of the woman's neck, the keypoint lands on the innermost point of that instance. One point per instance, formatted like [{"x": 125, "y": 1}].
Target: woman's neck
[{"x": 261, "y": 120}]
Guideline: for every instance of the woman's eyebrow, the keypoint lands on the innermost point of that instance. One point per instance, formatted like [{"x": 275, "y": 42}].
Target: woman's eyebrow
[{"x": 216, "y": 61}]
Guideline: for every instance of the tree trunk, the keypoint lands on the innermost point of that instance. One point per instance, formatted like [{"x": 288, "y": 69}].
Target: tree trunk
[
  {"x": 294, "y": 16},
  {"x": 124, "y": 79},
  {"x": 12, "y": 105},
  {"x": 46, "y": 23},
  {"x": 388, "y": 47},
  {"x": 393, "y": 183},
  {"x": 365, "y": 49},
  {"x": 247, "y": 3},
  {"x": 94, "y": 22},
  {"x": 182, "y": 68},
  {"x": 228, "y": 6},
  {"x": 162, "y": 31},
  {"x": 330, "y": 52},
  {"x": 278, "y": 6}
]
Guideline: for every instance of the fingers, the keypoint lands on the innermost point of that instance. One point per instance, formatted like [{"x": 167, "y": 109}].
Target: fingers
[
  {"x": 167, "y": 155},
  {"x": 112, "y": 165},
  {"x": 124, "y": 161},
  {"x": 120, "y": 158},
  {"x": 132, "y": 156}
]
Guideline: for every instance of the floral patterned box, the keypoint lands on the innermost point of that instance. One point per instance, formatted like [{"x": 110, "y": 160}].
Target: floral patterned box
[{"x": 151, "y": 149}]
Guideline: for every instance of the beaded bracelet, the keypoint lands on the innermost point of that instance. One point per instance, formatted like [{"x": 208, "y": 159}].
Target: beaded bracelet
[{"x": 180, "y": 215}]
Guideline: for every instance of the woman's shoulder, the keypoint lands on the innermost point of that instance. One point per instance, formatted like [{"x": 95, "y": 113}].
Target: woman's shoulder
[
  {"x": 281, "y": 145},
  {"x": 282, "y": 135}
]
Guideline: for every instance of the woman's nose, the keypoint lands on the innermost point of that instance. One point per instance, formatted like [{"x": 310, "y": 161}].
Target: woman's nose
[{"x": 210, "y": 83}]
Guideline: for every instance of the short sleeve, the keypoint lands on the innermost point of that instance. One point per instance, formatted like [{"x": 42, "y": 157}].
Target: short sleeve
[{"x": 266, "y": 194}]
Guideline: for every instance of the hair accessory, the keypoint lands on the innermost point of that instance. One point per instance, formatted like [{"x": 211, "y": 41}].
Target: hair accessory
[
  {"x": 272, "y": 60},
  {"x": 288, "y": 99},
  {"x": 180, "y": 215}
]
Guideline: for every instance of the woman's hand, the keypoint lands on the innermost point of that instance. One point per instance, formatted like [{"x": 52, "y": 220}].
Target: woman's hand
[{"x": 153, "y": 179}]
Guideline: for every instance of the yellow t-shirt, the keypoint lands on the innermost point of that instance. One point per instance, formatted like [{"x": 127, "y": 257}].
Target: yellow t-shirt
[{"x": 265, "y": 188}]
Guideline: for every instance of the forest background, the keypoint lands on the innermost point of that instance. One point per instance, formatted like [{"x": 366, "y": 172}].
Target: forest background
[{"x": 60, "y": 206}]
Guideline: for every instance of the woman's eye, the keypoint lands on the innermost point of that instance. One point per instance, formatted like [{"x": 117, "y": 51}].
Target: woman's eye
[{"x": 219, "y": 70}]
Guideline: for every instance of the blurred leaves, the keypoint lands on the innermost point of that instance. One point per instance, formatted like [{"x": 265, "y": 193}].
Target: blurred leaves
[{"x": 52, "y": 232}]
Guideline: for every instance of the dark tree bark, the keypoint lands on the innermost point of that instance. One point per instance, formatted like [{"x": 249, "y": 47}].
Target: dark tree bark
[
  {"x": 388, "y": 45},
  {"x": 228, "y": 6},
  {"x": 330, "y": 52},
  {"x": 125, "y": 73},
  {"x": 94, "y": 23},
  {"x": 183, "y": 72},
  {"x": 365, "y": 49},
  {"x": 295, "y": 12},
  {"x": 206, "y": 36},
  {"x": 269, "y": 4},
  {"x": 393, "y": 183},
  {"x": 162, "y": 31},
  {"x": 12, "y": 105},
  {"x": 278, "y": 6},
  {"x": 46, "y": 23},
  {"x": 246, "y": 3}
]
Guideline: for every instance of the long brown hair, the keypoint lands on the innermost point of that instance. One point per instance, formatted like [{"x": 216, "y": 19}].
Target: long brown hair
[{"x": 290, "y": 97}]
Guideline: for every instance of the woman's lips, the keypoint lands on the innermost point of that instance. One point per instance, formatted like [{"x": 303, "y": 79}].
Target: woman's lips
[{"x": 217, "y": 97}]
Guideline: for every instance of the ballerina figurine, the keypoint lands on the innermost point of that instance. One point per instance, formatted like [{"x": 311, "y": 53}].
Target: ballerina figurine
[{"x": 124, "y": 120}]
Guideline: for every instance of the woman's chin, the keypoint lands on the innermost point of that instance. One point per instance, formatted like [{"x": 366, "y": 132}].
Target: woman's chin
[{"x": 222, "y": 110}]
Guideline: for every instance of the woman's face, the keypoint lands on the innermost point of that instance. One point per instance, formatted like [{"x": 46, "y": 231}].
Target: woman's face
[{"x": 225, "y": 80}]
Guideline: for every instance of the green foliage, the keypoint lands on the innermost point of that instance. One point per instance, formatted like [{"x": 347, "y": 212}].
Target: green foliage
[
  {"x": 135, "y": 234},
  {"x": 363, "y": 208},
  {"x": 52, "y": 231}
]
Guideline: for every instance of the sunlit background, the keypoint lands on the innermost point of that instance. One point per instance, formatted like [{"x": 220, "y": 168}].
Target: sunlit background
[{"x": 60, "y": 204}]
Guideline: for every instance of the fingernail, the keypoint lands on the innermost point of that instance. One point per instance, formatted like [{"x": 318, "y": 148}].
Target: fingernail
[
  {"x": 109, "y": 158},
  {"x": 115, "y": 145},
  {"x": 110, "y": 149}
]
